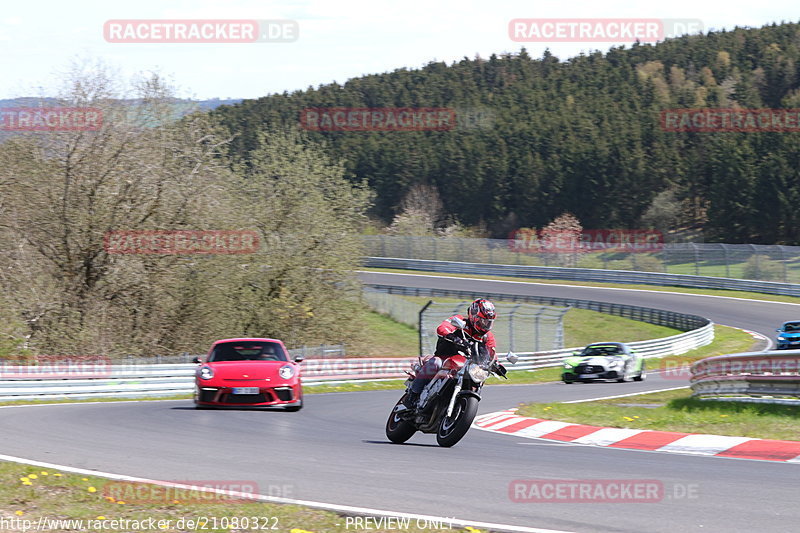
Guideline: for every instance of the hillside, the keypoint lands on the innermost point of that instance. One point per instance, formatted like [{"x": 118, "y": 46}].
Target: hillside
[{"x": 580, "y": 135}]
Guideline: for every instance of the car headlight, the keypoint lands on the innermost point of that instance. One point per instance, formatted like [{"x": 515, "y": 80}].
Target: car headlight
[
  {"x": 615, "y": 364},
  {"x": 286, "y": 372},
  {"x": 206, "y": 373},
  {"x": 476, "y": 373},
  {"x": 781, "y": 338},
  {"x": 567, "y": 365}
]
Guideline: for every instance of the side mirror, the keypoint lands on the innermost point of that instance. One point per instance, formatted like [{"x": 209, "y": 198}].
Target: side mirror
[
  {"x": 512, "y": 358},
  {"x": 196, "y": 360},
  {"x": 299, "y": 359}
]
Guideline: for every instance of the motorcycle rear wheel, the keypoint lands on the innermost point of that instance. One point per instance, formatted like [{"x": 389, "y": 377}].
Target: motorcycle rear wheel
[
  {"x": 452, "y": 429},
  {"x": 397, "y": 429}
]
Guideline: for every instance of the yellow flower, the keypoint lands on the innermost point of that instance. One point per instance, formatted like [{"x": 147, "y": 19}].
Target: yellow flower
[
  {"x": 298, "y": 530},
  {"x": 84, "y": 479},
  {"x": 92, "y": 489},
  {"x": 472, "y": 529},
  {"x": 44, "y": 473},
  {"x": 27, "y": 483},
  {"x": 176, "y": 501},
  {"x": 18, "y": 513},
  {"x": 101, "y": 517},
  {"x": 120, "y": 502},
  {"x": 32, "y": 476},
  {"x": 110, "y": 498},
  {"x": 24, "y": 479},
  {"x": 723, "y": 416},
  {"x": 635, "y": 417},
  {"x": 629, "y": 419},
  {"x": 58, "y": 475}
]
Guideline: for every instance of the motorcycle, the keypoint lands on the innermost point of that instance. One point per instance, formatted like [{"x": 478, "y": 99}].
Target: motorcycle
[{"x": 449, "y": 402}]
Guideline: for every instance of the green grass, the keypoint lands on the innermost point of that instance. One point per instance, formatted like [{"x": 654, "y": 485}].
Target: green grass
[
  {"x": 582, "y": 327},
  {"x": 655, "y": 288},
  {"x": 385, "y": 337},
  {"x": 55, "y": 495},
  {"x": 677, "y": 411}
]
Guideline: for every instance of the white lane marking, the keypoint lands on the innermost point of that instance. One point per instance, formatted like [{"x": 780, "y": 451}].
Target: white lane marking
[
  {"x": 432, "y": 274},
  {"x": 703, "y": 444},
  {"x": 606, "y": 436},
  {"x": 274, "y": 499},
  {"x": 626, "y": 395}
]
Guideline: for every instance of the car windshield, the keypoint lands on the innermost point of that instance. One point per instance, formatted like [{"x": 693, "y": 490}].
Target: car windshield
[
  {"x": 603, "y": 350},
  {"x": 791, "y": 326},
  {"x": 248, "y": 351}
]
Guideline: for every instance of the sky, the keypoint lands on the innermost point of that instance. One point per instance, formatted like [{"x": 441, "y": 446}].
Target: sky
[{"x": 337, "y": 39}]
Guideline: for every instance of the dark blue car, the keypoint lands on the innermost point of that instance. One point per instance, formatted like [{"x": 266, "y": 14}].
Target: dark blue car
[{"x": 789, "y": 335}]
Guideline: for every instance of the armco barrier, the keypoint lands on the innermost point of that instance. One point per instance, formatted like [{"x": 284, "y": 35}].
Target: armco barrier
[
  {"x": 767, "y": 377},
  {"x": 660, "y": 317},
  {"x": 126, "y": 381},
  {"x": 585, "y": 274}
]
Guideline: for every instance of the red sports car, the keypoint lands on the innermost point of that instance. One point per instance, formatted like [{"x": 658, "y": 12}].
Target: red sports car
[{"x": 248, "y": 372}]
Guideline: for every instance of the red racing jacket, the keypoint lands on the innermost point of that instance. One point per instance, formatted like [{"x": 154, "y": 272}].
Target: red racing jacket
[{"x": 445, "y": 348}]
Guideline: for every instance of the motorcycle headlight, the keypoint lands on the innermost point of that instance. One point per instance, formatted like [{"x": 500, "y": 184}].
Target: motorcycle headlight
[
  {"x": 206, "y": 373},
  {"x": 476, "y": 373},
  {"x": 286, "y": 372}
]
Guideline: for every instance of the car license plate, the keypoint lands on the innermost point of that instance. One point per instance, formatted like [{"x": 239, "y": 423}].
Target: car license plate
[
  {"x": 589, "y": 375},
  {"x": 245, "y": 390}
]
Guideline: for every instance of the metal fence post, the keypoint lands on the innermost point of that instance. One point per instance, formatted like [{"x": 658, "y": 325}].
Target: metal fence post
[{"x": 421, "y": 330}]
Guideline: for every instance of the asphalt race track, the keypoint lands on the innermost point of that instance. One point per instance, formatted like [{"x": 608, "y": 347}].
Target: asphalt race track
[{"x": 335, "y": 450}]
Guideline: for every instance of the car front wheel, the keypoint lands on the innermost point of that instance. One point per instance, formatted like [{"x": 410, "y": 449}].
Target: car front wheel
[{"x": 642, "y": 374}]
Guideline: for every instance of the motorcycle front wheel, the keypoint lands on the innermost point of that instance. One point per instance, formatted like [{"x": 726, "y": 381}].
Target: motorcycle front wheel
[
  {"x": 453, "y": 428},
  {"x": 397, "y": 429}
]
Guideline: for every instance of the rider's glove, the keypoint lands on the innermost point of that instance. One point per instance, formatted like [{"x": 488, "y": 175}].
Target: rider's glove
[
  {"x": 457, "y": 339},
  {"x": 500, "y": 370}
]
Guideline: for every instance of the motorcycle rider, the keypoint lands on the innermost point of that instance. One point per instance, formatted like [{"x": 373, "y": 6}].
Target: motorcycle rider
[{"x": 452, "y": 339}]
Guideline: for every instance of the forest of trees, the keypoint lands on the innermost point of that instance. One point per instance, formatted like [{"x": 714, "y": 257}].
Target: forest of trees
[{"x": 579, "y": 135}]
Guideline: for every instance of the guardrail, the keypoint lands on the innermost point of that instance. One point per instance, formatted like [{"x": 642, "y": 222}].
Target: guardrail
[
  {"x": 585, "y": 274},
  {"x": 660, "y": 317},
  {"x": 136, "y": 381},
  {"x": 132, "y": 381},
  {"x": 767, "y": 377}
]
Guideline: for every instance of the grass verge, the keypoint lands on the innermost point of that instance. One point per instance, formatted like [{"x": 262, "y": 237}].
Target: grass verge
[
  {"x": 676, "y": 410},
  {"x": 48, "y": 499}
]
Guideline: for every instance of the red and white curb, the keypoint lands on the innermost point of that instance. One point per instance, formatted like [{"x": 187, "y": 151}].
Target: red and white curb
[{"x": 508, "y": 423}]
